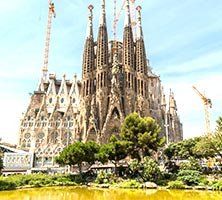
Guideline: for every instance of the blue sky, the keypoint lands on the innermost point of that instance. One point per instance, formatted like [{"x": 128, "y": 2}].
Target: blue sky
[{"x": 183, "y": 42}]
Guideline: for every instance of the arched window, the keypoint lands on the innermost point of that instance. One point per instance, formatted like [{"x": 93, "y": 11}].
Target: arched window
[
  {"x": 54, "y": 137},
  {"x": 67, "y": 138}
]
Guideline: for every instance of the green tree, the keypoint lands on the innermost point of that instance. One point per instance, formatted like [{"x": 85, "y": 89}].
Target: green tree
[
  {"x": 1, "y": 161},
  {"x": 147, "y": 169},
  {"x": 191, "y": 164},
  {"x": 142, "y": 134},
  {"x": 183, "y": 149},
  {"x": 217, "y": 137},
  {"x": 150, "y": 171},
  {"x": 113, "y": 151},
  {"x": 219, "y": 124},
  {"x": 77, "y": 153},
  {"x": 205, "y": 148}
]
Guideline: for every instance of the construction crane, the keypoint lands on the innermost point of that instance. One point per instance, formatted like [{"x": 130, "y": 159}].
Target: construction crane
[
  {"x": 117, "y": 16},
  {"x": 207, "y": 104},
  {"x": 51, "y": 13}
]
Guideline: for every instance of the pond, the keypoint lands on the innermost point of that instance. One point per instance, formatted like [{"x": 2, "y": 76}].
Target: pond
[{"x": 73, "y": 193}]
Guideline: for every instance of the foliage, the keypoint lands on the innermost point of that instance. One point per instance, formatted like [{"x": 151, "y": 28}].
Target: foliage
[
  {"x": 77, "y": 153},
  {"x": 1, "y": 161},
  {"x": 189, "y": 177},
  {"x": 217, "y": 137},
  {"x": 217, "y": 185},
  {"x": 176, "y": 185},
  {"x": 135, "y": 166},
  {"x": 205, "y": 148},
  {"x": 151, "y": 171},
  {"x": 142, "y": 134},
  {"x": 183, "y": 149},
  {"x": 130, "y": 184},
  {"x": 6, "y": 185},
  {"x": 102, "y": 178},
  {"x": 191, "y": 164},
  {"x": 147, "y": 168},
  {"x": 35, "y": 180},
  {"x": 113, "y": 151},
  {"x": 219, "y": 124},
  {"x": 171, "y": 167}
]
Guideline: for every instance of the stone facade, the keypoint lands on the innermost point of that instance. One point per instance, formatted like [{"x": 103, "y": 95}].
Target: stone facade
[{"x": 116, "y": 80}]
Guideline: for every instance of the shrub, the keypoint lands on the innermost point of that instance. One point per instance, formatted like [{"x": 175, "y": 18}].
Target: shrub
[
  {"x": 217, "y": 185},
  {"x": 176, "y": 185},
  {"x": 192, "y": 164},
  {"x": 36, "y": 180},
  {"x": 163, "y": 182},
  {"x": 6, "y": 185},
  {"x": 151, "y": 171},
  {"x": 130, "y": 184},
  {"x": 102, "y": 177},
  {"x": 189, "y": 177}
]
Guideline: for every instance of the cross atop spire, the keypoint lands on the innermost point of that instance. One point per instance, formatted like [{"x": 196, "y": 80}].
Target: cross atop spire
[
  {"x": 102, "y": 20},
  {"x": 89, "y": 32}
]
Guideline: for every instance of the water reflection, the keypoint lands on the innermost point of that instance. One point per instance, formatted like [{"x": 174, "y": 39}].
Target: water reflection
[{"x": 71, "y": 193}]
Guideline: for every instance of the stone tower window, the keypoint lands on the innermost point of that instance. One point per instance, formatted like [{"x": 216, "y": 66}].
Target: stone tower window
[
  {"x": 67, "y": 138},
  {"x": 41, "y": 135},
  {"x": 54, "y": 137},
  {"x": 50, "y": 100},
  {"x": 27, "y": 135}
]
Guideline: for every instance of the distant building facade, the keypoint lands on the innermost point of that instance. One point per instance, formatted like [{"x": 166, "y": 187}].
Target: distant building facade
[{"x": 116, "y": 81}]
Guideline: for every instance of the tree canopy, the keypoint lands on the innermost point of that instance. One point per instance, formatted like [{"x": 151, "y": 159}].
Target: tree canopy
[
  {"x": 113, "y": 151},
  {"x": 77, "y": 153},
  {"x": 183, "y": 149},
  {"x": 142, "y": 134}
]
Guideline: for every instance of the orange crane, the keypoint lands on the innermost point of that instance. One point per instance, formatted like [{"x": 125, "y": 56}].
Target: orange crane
[
  {"x": 207, "y": 104},
  {"x": 51, "y": 13}
]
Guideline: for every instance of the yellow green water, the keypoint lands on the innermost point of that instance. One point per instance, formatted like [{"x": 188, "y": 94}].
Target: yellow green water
[{"x": 71, "y": 193}]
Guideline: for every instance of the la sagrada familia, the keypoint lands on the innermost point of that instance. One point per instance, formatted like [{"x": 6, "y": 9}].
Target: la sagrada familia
[{"x": 116, "y": 81}]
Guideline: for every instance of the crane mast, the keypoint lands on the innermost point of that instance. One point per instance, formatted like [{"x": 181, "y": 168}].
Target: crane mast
[
  {"x": 207, "y": 104},
  {"x": 51, "y": 13},
  {"x": 117, "y": 16}
]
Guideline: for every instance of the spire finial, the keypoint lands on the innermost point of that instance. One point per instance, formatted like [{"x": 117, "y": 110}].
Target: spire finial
[
  {"x": 139, "y": 30},
  {"x": 89, "y": 32},
  {"x": 127, "y": 14},
  {"x": 102, "y": 20}
]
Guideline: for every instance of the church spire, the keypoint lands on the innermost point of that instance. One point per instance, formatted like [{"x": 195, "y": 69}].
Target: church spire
[
  {"x": 139, "y": 28},
  {"x": 89, "y": 54},
  {"x": 102, "y": 40},
  {"x": 102, "y": 20},
  {"x": 128, "y": 43},
  {"x": 127, "y": 15},
  {"x": 89, "y": 31},
  {"x": 141, "y": 61}
]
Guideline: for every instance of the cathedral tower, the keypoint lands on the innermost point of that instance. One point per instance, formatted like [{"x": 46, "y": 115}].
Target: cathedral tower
[{"x": 116, "y": 80}]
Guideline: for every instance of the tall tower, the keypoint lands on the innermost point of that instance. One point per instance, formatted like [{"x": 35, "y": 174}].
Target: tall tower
[
  {"x": 102, "y": 68},
  {"x": 88, "y": 77},
  {"x": 130, "y": 80},
  {"x": 175, "y": 127},
  {"x": 116, "y": 81},
  {"x": 141, "y": 70}
]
